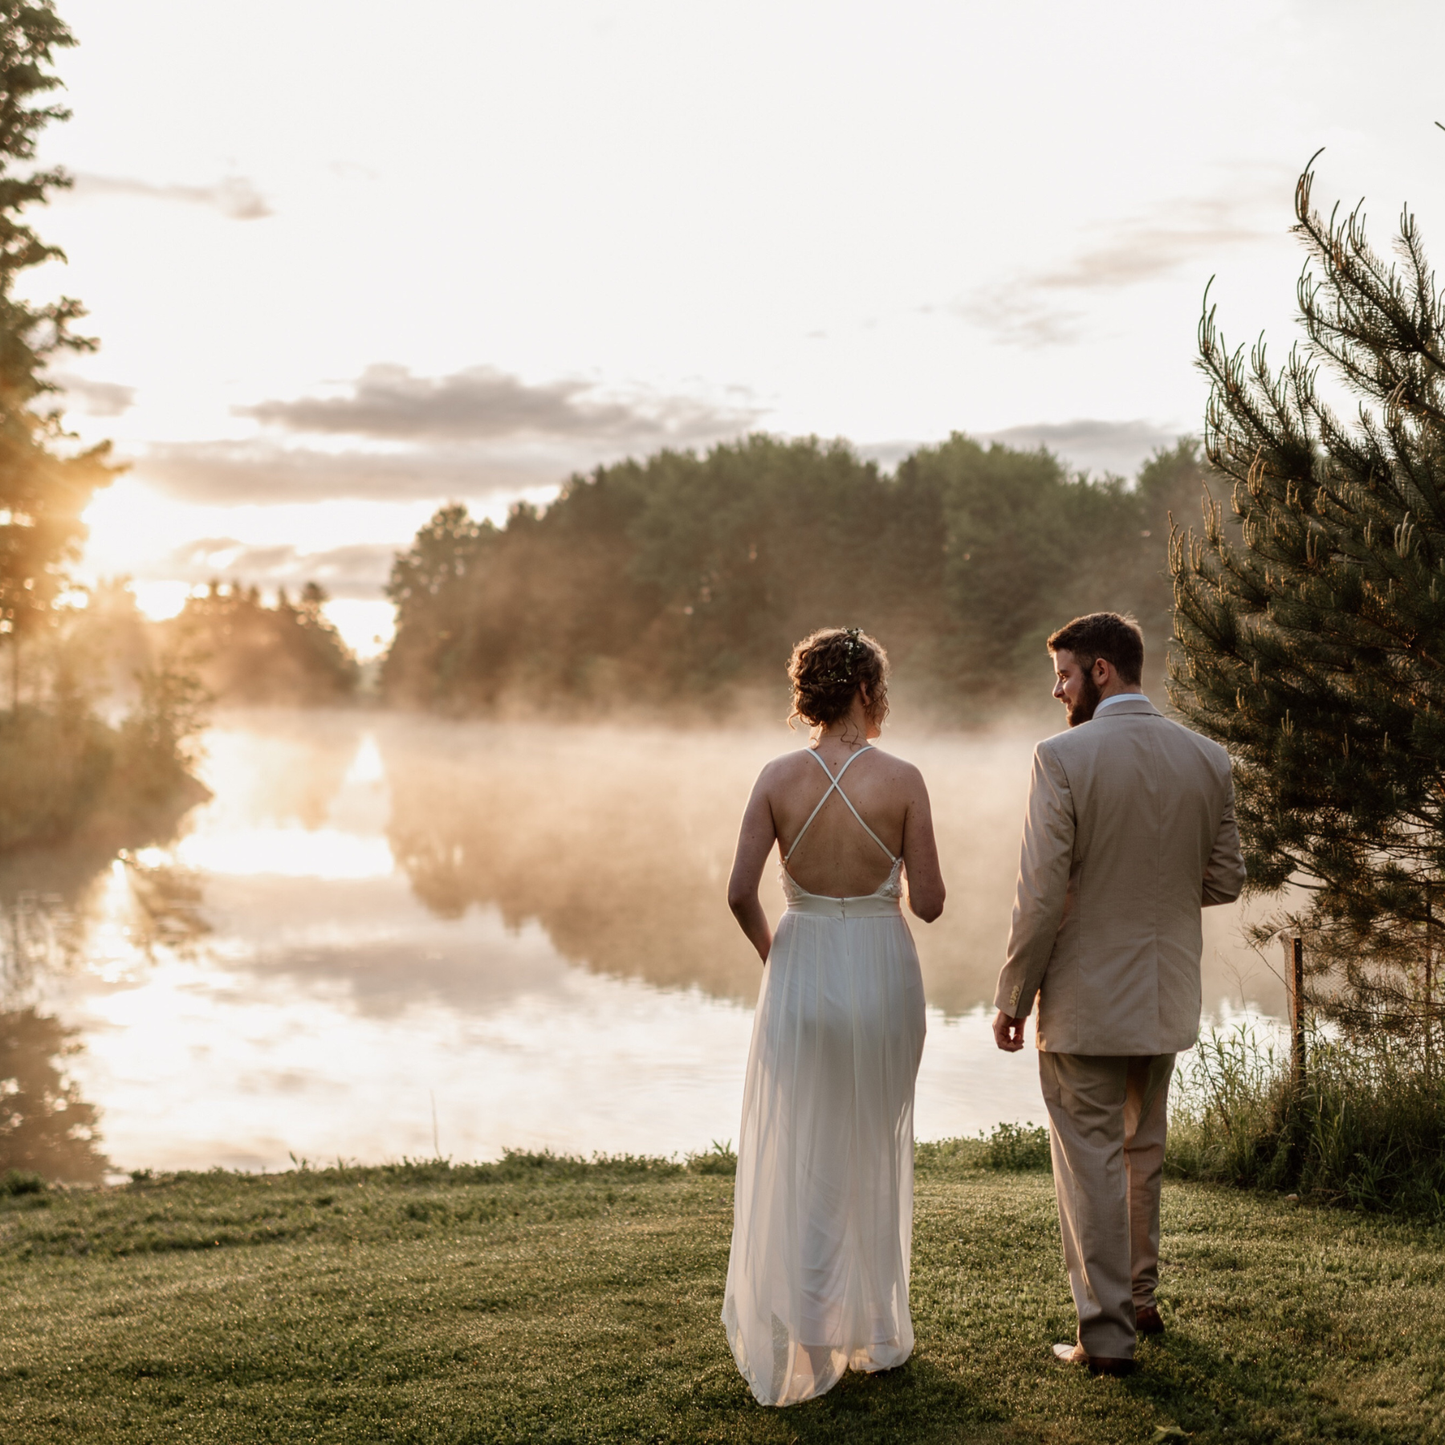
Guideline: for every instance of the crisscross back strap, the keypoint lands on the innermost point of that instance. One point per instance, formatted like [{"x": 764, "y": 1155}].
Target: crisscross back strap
[{"x": 833, "y": 787}]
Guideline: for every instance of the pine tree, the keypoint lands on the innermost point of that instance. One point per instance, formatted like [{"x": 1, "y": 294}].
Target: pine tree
[
  {"x": 1311, "y": 625},
  {"x": 45, "y": 483}
]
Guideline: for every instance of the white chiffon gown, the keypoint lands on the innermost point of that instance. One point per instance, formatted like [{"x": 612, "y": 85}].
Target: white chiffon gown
[{"x": 823, "y": 1207}]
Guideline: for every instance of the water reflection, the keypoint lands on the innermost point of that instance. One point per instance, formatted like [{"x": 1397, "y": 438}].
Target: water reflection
[
  {"x": 522, "y": 923},
  {"x": 45, "y": 1126},
  {"x": 98, "y": 907},
  {"x": 618, "y": 844}
]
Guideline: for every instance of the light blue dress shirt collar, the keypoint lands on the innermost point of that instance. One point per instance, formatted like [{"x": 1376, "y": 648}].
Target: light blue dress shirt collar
[{"x": 1120, "y": 697}]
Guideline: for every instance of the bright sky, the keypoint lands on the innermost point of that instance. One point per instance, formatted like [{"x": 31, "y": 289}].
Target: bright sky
[{"x": 348, "y": 260}]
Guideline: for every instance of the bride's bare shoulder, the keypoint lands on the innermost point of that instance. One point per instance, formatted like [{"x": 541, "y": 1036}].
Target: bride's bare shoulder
[
  {"x": 786, "y": 767},
  {"x": 898, "y": 771}
]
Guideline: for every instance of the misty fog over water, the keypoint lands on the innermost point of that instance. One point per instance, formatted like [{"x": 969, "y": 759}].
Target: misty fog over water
[{"x": 386, "y": 936}]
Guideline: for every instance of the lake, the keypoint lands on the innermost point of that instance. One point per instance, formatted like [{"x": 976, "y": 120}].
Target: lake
[{"x": 387, "y": 936}]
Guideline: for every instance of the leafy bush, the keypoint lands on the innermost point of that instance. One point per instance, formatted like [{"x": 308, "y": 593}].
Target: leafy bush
[
  {"x": 720, "y": 1159},
  {"x": 53, "y": 764},
  {"x": 949, "y": 1157},
  {"x": 19, "y": 1181},
  {"x": 66, "y": 773},
  {"x": 1017, "y": 1147}
]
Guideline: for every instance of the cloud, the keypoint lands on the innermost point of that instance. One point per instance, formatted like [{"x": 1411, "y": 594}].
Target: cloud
[
  {"x": 1142, "y": 250},
  {"x": 230, "y": 473},
  {"x": 1043, "y": 307},
  {"x": 1107, "y": 446},
  {"x": 261, "y": 472},
  {"x": 481, "y": 403},
  {"x": 1019, "y": 318},
  {"x": 1086, "y": 444},
  {"x": 95, "y": 398},
  {"x": 234, "y": 196},
  {"x": 355, "y": 571},
  {"x": 889, "y": 454},
  {"x": 469, "y": 435}
]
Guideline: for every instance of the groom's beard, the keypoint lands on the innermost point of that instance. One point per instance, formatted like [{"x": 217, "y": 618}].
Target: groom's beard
[{"x": 1082, "y": 710}]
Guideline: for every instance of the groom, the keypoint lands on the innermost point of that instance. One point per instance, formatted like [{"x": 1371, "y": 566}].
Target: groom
[{"x": 1130, "y": 831}]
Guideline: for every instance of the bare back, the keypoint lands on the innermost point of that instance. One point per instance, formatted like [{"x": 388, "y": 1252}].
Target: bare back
[
  {"x": 830, "y": 847},
  {"x": 827, "y": 847},
  {"x": 842, "y": 829}
]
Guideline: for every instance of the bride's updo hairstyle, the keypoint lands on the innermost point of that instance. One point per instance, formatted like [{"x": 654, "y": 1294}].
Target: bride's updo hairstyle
[{"x": 826, "y": 670}]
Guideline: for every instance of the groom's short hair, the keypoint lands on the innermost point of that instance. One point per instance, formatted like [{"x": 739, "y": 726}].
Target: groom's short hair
[{"x": 1118, "y": 640}]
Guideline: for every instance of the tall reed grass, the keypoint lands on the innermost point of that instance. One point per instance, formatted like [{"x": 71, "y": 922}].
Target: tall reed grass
[{"x": 1366, "y": 1128}]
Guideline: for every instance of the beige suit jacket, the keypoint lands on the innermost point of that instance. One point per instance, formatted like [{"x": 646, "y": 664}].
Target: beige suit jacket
[{"x": 1130, "y": 831}]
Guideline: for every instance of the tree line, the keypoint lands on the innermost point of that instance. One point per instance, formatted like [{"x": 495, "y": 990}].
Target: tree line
[
  {"x": 687, "y": 578},
  {"x": 243, "y": 650}
]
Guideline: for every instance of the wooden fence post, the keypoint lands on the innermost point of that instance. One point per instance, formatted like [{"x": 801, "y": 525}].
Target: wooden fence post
[
  {"x": 1429, "y": 983},
  {"x": 1294, "y": 983}
]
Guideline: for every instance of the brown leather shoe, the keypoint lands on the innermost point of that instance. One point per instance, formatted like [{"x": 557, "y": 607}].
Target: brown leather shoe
[
  {"x": 1147, "y": 1321},
  {"x": 1096, "y": 1364}
]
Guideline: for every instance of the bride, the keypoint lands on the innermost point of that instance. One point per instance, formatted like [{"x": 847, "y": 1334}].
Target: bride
[{"x": 823, "y": 1209}]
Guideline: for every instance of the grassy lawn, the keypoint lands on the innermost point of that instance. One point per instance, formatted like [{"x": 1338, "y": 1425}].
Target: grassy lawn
[{"x": 546, "y": 1301}]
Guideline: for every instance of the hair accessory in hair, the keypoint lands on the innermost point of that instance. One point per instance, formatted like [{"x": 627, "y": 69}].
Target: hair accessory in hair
[{"x": 849, "y": 669}]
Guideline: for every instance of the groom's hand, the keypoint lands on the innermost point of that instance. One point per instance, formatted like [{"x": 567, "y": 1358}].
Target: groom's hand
[{"x": 1008, "y": 1032}]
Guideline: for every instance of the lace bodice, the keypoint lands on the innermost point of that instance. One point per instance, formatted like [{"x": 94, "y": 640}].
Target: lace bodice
[{"x": 891, "y": 888}]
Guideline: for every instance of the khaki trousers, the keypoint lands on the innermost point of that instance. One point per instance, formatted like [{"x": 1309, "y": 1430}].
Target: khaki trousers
[{"x": 1107, "y": 1119}]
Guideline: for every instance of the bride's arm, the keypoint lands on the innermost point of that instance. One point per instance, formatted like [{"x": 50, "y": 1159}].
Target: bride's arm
[
  {"x": 755, "y": 842},
  {"x": 920, "y": 855}
]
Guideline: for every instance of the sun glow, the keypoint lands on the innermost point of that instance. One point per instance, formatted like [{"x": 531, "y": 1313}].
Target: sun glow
[
  {"x": 288, "y": 853},
  {"x": 160, "y": 600},
  {"x": 170, "y": 550},
  {"x": 366, "y": 627},
  {"x": 136, "y": 527}
]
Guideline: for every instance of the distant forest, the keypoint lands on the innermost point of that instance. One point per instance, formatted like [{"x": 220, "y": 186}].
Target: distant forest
[
  {"x": 244, "y": 651},
  {"x": 226, "y": 643},
  {"x": 686, "y": 578}
]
